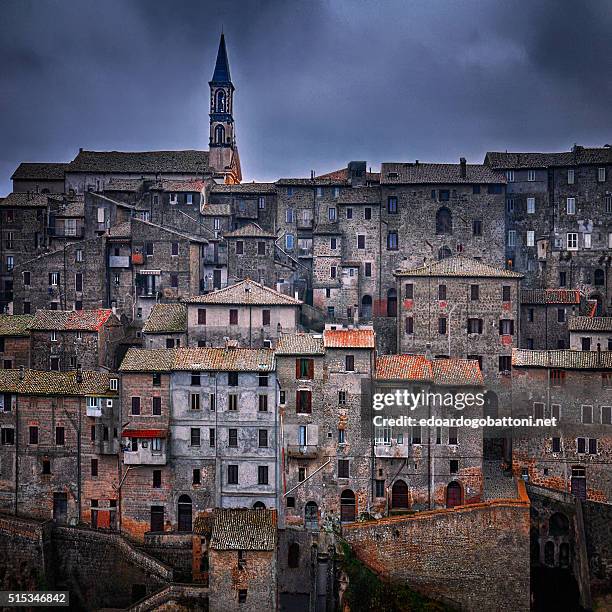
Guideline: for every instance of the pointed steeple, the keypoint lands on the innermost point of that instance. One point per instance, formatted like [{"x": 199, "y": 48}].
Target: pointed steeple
[{"x": 222, "y": 71}]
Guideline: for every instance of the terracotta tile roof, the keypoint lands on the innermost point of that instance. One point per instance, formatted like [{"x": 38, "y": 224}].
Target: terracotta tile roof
[
  {"x": 121, "y": 230},
  {"x": 177, "y": 186},
  {"x": 427, "y": 174},
  {"x": 596, "y": 324},
  {"x": 250, "y": 230},
  {"x": 576, "y": 157},
  {"x": 349, "y": 338},
  {"x": 71, "y": 320},
  {"x": 71, "y": 208},
  {"x": 46, "y": 171},
  {"x": 550, "y": 296},
  {"x": 148, "y": 360},
  {"x": 438, "y": 371},
  {"x": 124, "y": 184},
  {"x": 459, "y": 266},
  {"x": 38, "y": 382},
  {"x": 224, "y": 359},
  {"x": 562, "y": 359},
  {"x": 342, "y": 175},
  {"x": 216, "y": 210},
  {"x": 166, "y": 318},
  {"x": 15, "y": 325},
  {"x": 145, "y": 162},
  {"x": 300, "y": 344},
  {"x": 246, "y": 292},
  {"x": 255, "y": 188},
  {"x": 456, "y": 372},
  {"x": 242, "y": 529},
  {"x": 25, "y": 200}
]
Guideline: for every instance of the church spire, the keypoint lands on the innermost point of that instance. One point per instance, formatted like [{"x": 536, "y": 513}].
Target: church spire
[{"x": 222, "y": 70}]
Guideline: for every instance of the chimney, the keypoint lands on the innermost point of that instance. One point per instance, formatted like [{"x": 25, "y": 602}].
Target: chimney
[
  {"x": 463, "y": 165},
  {"x": 80, "y": 149},
  {"x": 356, "y": 172},
  {"x": 312, "y": 175},
  {"x": 21, "y": 372}
]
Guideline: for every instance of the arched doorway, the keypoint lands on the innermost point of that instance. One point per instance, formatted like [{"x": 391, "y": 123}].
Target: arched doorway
[
  {"x": 392, "y": 302},
  {"x": 366, "y": 307},
  {"x": 259, "y": 505},
  {"x": 311, "y": 515},
  {"x": 453, "y": 494},
  {"x": 443, "y": 253},
  {"x": 399, "y": 495},
  {"x": 184, "y": 513},
  {"x": 347, "y": 506}
]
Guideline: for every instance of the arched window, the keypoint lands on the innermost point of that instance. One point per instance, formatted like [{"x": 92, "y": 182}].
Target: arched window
[
  {"x": 558, "y": 525},
  {"x": 293, "y": 555},
  {"x": 366, "y": 307},
  {"x": 453, "y": 494},
  {"x": 549, "y": 553},
  {"x": 220, "y": 104},
  {"x": 311, "y": 515},
  {"x": 347, "y": 506},
  {"x": 259, "y": 505},
  {"x": 392, "y": 302},
  {"x": 443, "y": 253},
  {"x": 399, "y": 495},
  {"x": 444, "y": 221},
  {"x": 599, "y": 277},
  {"x": 219, "y": 134},
  {"x": 184, "y": 513}
]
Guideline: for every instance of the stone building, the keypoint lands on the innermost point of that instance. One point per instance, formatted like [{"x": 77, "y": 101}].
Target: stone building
[
  {"x": 75, "y": 339},
  {"x": 559, "y": 217},
  {"x": 166, "y": 327},
  {"x": 590, "y": 333},
  {"x": 39, "y": 177},
  {"x": 15, "y": 341},
  {"x": 242, "y": 561},
  {"x": 248, "y": 312},
  {"x": 432, "y": 466},
  {"x": 60, "y": 445},
  {"x": 574, "y": 387},
  {"x": 544, "y": 317}
]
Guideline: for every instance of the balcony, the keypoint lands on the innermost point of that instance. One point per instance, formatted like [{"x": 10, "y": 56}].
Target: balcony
[
  {"x": 302, "y": 451},
  {"x": 119, "y": 261},
  {"x": 305, "y": 252},
  {"x": 212, "y": 258},
  {"x": 94, "y": 411},
  {"x": 304, "y": 223},
  {"x": 144, "y": 456}
]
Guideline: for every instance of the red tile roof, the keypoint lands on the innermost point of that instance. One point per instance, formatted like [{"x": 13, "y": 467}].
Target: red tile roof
[
  {"x": 438, "y": 371},
  {"x": 550, "y": 296},
  {"x": 71, "y": 320},
  {"x": 348, "y": 338},
  {"x": 456, "y": 372}
]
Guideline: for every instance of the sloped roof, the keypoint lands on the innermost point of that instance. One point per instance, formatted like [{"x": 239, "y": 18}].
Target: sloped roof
[
  {"x": 145, "y": 162},
  {"x": 576, "y": 157},
  {"x": 244, "y": 529},
  {"x": 71, "y": 320},
  {"x": 459, "y": 266},
  {"x": 349, "y": 338},
  {"x": 426, "y": 174},
  {"x": 342, "y": 175},
  {"x": 148, "y": 360},
  {"x": 121, "y": 230},
  {"x": 25, "y": 199},
  {"x": 300, "y": 344},
  {"x": 550, "y": 296},
  {"x": 179, "y": 186},
  {"x": 250, "y": 230},
  {"x": 166, "y": 318},
  {"x": 562, "y": 359},
  {"x": 124, "y": 184},
  {"x": 224, "y": 359},
  {"x": 216, "y": 210},
  {"x": 454, "y": 372},
  {"x": 15, "y": 325},
  {"x": 39, "y": 382},
  {"x": 42, "y": 171},
  {"x": 239, "y": 188},
  {"x": 596, "y": 324},
  {"x": 246, "y": 292},
  {"x": 222, "y": 70}
]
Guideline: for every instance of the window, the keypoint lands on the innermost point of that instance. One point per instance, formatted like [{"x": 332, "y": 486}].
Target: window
[
  {"x": 60, "y": 436},
  {"x": 510, "y": 205},
  {"x": 392, "y": 205},
  {"x": 367, "y": 269},
  {"x": 505, "y": 364},
  {"x": 232, "y": 474},
  {"x": 194, "y": 401},
  {"x": 333, "y": 244},
  {"x": 586, "y": 239},
  {"x": 7, "y": 436},
  {"x": 261, "y": 248},
  {"x": 571, "y": 206},
  {"x": 442, "y": 325},
  {"x": 211, "y": 437},
  {"x": 572, "y": 241},
  {"x": 530, "y": 206},
  {"x": 262, "y": 380},
  {"x": 361, "y": 241},
  {"x": 601, "y": 175},
  {"x": 606, "y": 415},
  {"x": 261, "y": 202},
  {"x": 416, "y": 434},
  {"x": 367, "y": 213},
  {"x": 587, "y": 414},
  {"x": 341, "y": 398},
  {"x": 263, "y": 438},
  {"x": 349, "y": 363},
  {"x": 349, "y": 213},
  {"x": 409, "y": 325},
  {"x": 562, "y": 281},
  {"x": 262, "y": 475},
  {"x": 506, "y": 292},
  {"x": 556, "y": 411},
  {"x": 599, "y": 277},
  {"x": 304, "y": 368},
  {"x": 557, "y": 378},
  {"x": 475, "y": 189},
  {"x": 561, "y": 315},
  {"x": 571, "y": 176},
  {"x": 303, "y": 401},
  {"x": 232, "y": 402},
  {"x": 135, "y": 405},
  {"x": 506, "y": 327},
  {"x": 46, "y": 466},
  {"x": 538, "y": 410},
  {"x": 342, "y": 436},
  {"x": 510, "y": 176},
  {"x": 53, "y": 336},
  {"x": 592, "y": 446},
  {"x": 233, "y": 316},
  {"x": 156, "y": 408},
  {"x": 333, "y": 271},
  {"x": 157, "y": 479},
  {"x": 531, "y": 175},
  {"x": 530, "y": 238},
  {"x": 289, "y": 215},
  {"x": 239, "y": 247},
  {"x": 289, "y": 242},
  {"x": 477, "y": 227},
  {"x": 331, "y": 213},
  {"x": 474, "y": 292},
  {"x": 453, "y": 435},
  {"x": 195, "y": 436},
  {"x": 444, "y": 221},
  {"x": 475, "y": 326},
  {"x": 54, "y": 279},
  {"x": 343, "y": 468},
  {"x": 10, "y": 262},
  {"x": 232, "y": 379},
  {"x": 511, "y": 238},
  {"x": 409, "y": 291},
  {"x": 392, "y": 241},
  {"x": 608, "y": 202},
  {"x": 454, "y": 466},
  {"x": 263, "y": 403}
]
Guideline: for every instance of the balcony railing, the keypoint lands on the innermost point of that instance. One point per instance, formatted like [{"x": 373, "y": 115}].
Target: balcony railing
[
  {"x": 302, "y": 451},
  {"x": 94, "y": 411},
  {"x": 119, "y": 261},
  {"x": 144, "y": 456},
  {"x": 304, "y": 223}
]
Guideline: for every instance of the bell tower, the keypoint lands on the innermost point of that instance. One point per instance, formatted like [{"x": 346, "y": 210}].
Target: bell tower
[{"x": 223, "y": 156}]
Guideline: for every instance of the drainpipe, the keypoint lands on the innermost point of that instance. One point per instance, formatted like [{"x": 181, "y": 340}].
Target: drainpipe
[{"x": 21, "y": 375}]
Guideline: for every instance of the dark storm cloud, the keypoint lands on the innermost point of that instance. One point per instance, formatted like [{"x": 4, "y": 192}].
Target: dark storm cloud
[{"x": 318, "y": 83}]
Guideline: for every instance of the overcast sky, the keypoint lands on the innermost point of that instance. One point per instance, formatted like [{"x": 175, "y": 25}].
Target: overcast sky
[{"x": 318, "y": 83}]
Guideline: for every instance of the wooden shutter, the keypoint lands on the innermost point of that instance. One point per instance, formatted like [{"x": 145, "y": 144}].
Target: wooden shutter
[
  {"x": 297, "y": 368},
  {"x": 311, "y": 369}
]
